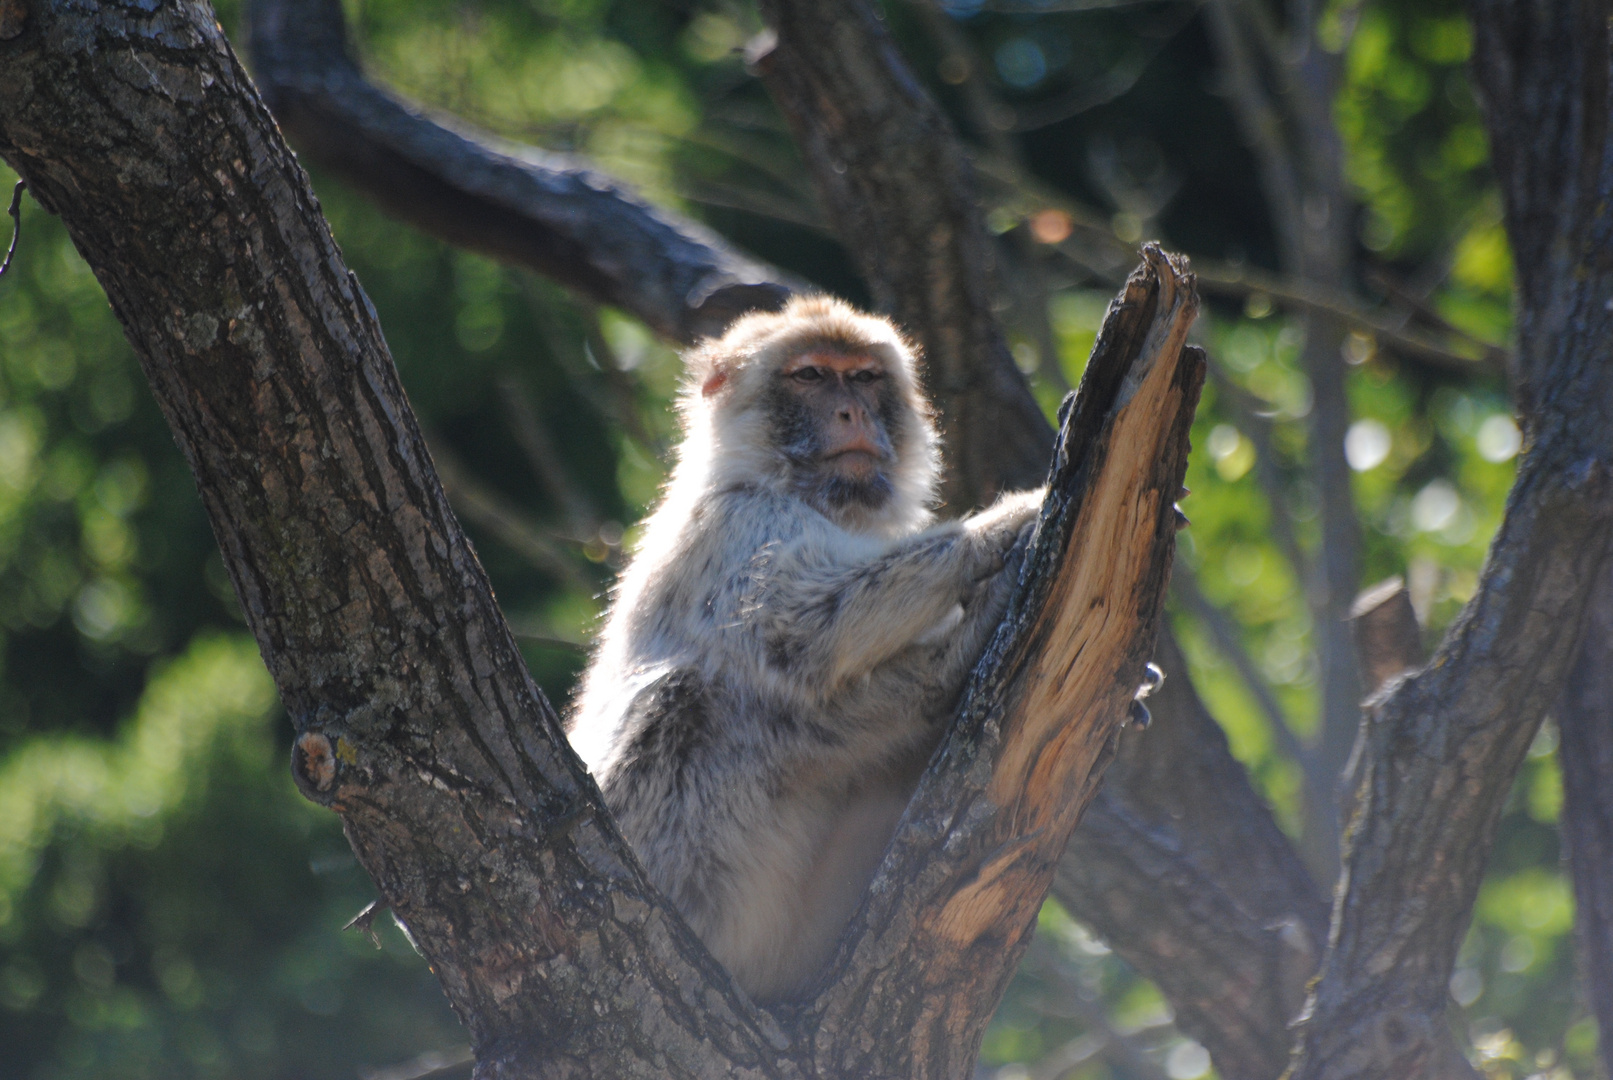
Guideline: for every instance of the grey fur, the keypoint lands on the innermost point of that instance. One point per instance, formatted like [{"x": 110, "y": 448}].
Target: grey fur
[{"x": 778, "y": 665}]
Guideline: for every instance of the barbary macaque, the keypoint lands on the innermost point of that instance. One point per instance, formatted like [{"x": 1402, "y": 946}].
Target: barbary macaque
[{"x": 790, "y": 637}]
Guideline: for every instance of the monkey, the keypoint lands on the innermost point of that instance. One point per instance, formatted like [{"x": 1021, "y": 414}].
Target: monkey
[{"x": 790, "y": 636}]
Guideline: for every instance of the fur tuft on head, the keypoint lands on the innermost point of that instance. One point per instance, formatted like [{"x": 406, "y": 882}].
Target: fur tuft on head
[{"x": 725, "y": 396}]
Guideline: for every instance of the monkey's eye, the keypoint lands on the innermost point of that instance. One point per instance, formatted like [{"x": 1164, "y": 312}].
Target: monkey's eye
[
  {"x": 865, "y": 376},
  {"x": 806, "y": 374}
]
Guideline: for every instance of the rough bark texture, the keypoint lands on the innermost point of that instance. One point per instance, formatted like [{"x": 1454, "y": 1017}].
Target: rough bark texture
[
  {"x": 319, "y": 44},
  {"x": 416, "y": 718},
  {"x": 1585, "y": 718},
  {"x": 1441, "y": 748},
  {"x": 304, "y": 62},
  {"x": 901, "y": 196},
  {"x": 525, "y": 206},
  {"x": 1180, "y": 867}
]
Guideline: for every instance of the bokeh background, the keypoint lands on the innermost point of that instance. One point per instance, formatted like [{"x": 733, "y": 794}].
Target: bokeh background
[{"x": 170, "y": 907}]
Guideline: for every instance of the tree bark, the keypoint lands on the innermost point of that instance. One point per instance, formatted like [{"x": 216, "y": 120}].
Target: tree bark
[
  {"x": 1585, "y": 720},
  {"x": 534, "y": 208},
  {"x": 1441, "y": 748},
  {"x": 416, "y": 719},
  {"x": 951, "y": 909},
  {"x": 1179, "y": 866}
]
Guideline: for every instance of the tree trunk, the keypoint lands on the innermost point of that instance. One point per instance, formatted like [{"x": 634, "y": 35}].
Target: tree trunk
[{"x": 1585, "y": 717}]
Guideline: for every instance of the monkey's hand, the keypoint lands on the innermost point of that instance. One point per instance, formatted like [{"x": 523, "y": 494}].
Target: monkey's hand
[{"x": 995, "y": 531}]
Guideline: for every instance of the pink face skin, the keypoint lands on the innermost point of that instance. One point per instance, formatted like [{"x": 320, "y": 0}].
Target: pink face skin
[{"x": 843, "y": 392}]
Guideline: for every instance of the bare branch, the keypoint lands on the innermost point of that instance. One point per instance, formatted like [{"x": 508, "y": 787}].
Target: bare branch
[
  {"x": 416, "y": 717},
  {"x": 1180, "y": 868},
  {"x": 1253, "y": 976},
  {"x": 525, "y": 206},
  {"x": 1586, "y": 755},
  {"x": 1389, "y": 332}
]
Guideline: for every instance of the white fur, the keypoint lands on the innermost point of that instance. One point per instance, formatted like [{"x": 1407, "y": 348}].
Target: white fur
[{"x": 770, "y": 681}]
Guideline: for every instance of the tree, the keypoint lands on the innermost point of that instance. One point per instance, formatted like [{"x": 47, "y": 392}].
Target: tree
[{"x": 1483, "y": 696}]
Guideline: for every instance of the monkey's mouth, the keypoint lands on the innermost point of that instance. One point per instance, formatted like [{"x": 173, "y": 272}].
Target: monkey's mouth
[{"x": 856, "y": 461}]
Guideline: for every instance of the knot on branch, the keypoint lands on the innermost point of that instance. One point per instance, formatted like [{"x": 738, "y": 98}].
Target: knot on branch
[
  {"x": 316, "y": 760},
  {"x": 13, "y": 18}
]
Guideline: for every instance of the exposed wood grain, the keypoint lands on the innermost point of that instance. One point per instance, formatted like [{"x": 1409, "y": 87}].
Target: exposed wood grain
[{"x": 1388, "y": 640}]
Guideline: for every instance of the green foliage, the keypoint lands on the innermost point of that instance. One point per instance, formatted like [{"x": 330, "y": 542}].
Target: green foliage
[{"x": 169, "y": 903}]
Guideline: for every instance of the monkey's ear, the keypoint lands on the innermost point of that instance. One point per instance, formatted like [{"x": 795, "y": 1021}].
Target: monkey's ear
[{"x": 715, "y": 381}]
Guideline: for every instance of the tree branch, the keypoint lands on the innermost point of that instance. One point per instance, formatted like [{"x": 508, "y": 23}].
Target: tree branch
[
  {"x": 1586, "y": 755},
  {"x": 1180, "y": 868},
  {"x": 535, "y": 209},
  {"x": 416, "y": 718},
  {"x": 1109, "y": 879}
]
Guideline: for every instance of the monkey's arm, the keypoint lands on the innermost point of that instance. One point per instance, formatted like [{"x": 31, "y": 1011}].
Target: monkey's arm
[{"x": 827, "y": 623}]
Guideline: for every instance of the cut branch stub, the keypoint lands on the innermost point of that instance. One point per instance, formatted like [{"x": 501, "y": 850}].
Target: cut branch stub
[
  {"x": 953, "y": 903},
  {"x": 1388, "y": 641}
]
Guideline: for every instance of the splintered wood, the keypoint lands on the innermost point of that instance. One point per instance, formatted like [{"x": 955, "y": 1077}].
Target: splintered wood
[{"x": 1095, "y": 588}]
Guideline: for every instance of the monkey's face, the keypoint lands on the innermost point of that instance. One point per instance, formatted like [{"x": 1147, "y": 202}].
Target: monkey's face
[{"x": 833, "y": 412}]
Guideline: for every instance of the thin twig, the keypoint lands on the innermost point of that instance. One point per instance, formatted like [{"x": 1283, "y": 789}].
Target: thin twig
[
  {"x": 489, "y": 510},
  {"x": 1250, "y": 417},
  {"x": 581, "y": 518},
  {"x": 1185, "y": 588},
  {"x": 1093, "y": 248},
  {"x": 1308, "y": 296},
  {"x": 16, "y": 224}
]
